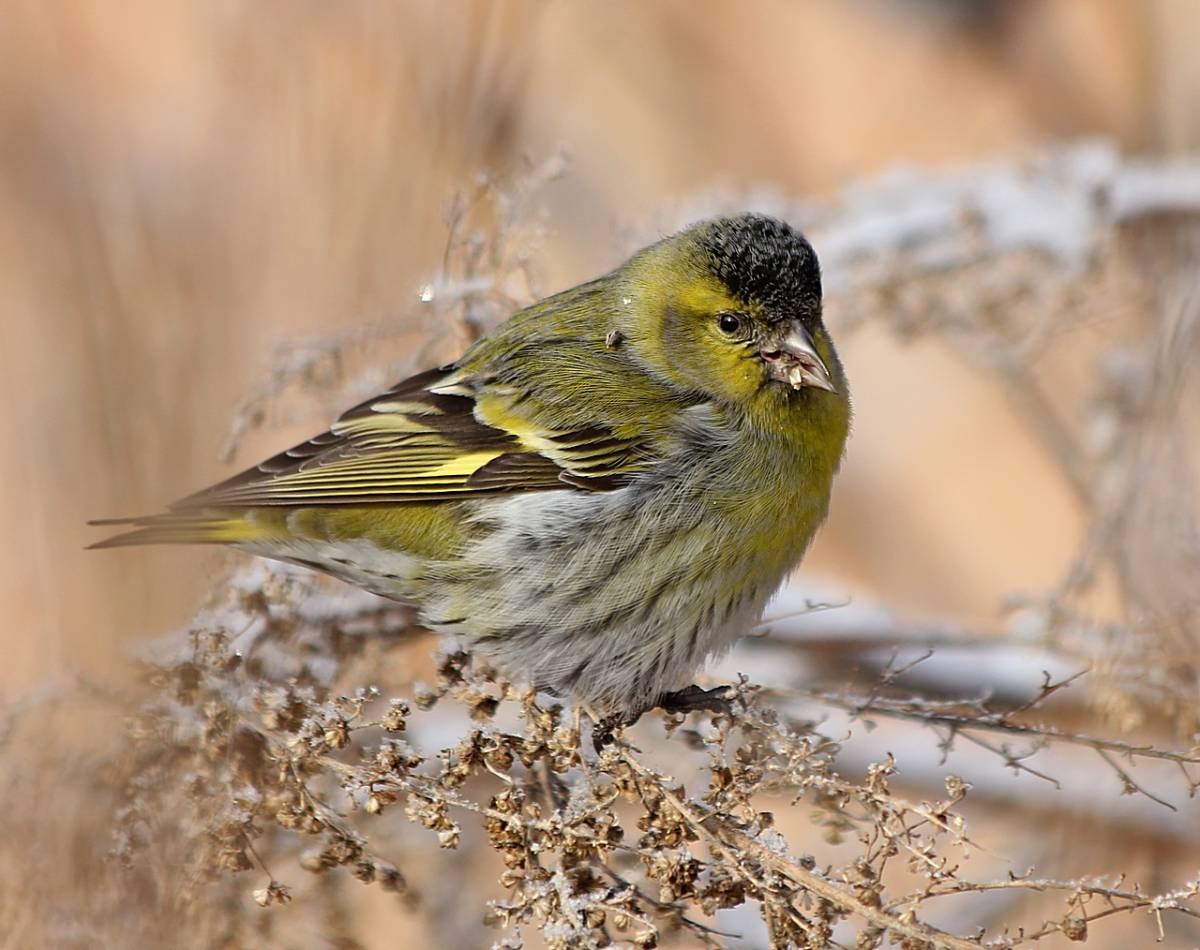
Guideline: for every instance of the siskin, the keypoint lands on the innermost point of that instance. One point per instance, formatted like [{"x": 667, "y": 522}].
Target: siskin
[{"x": 601, "y": 493}]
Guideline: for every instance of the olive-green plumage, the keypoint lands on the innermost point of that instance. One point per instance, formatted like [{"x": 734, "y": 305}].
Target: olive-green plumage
[{"x": 602, "y": 492}]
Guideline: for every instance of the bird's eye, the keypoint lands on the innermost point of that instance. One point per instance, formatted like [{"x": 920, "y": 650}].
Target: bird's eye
[{"x": 729, "y": 323}]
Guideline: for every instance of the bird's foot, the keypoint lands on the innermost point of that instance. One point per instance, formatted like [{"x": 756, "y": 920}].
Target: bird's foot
[
  {"x": 693, "y": 698},
  {"x": 689, "y": 699},
  {"x": 605, "y": 729}
]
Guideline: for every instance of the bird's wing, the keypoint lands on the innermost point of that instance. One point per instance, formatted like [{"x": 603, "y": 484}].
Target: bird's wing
[{"x": 436, "y": 436}]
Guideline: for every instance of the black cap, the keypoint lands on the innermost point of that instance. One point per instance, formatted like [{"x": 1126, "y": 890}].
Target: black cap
[{"x": 765, "y": 261}]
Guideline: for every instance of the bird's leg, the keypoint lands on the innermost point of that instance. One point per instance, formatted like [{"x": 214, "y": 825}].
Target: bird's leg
[
  {"x": 694, "y": 698},
  {"x": 689, "y": 699}
]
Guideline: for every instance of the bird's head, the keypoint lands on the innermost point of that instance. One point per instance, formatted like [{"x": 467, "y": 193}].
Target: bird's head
[{"x": 732, "y": 308}]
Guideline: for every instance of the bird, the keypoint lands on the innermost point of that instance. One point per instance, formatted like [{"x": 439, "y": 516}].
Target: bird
[{"x": 599, "y": 495}]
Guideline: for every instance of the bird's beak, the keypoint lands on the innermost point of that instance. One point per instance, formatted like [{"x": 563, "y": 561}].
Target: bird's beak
[{"x": 794, "y": 360}]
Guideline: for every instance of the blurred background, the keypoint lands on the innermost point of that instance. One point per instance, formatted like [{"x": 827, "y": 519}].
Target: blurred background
[{"x": 186, "y": 189}]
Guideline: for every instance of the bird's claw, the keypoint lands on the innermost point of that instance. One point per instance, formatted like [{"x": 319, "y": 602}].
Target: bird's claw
[
  {"x": 692, "y": 698},
  {"x": 689, "y": 699},
  {"x": 604, "y": 731}
]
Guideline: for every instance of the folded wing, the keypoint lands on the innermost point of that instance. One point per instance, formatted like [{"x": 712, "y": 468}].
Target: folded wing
[{"x": 434, "y": 436}]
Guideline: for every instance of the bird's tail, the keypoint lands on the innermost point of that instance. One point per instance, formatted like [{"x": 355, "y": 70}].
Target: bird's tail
[{"x": 182, "y": 528}]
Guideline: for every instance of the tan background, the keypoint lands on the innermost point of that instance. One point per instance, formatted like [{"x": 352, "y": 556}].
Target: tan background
[{"x": 186, "y": 186}]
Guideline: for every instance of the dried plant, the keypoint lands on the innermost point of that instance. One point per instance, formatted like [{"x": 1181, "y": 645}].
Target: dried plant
[{"x": 301, "y": 734}]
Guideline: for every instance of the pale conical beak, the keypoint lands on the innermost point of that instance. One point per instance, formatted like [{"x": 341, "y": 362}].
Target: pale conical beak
[{"x": 795, "y": 361}]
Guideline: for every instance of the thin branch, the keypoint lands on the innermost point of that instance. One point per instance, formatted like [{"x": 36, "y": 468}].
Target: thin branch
[
  {"x": 918, "y": 711},
  {"x": 727, "y": 837}
]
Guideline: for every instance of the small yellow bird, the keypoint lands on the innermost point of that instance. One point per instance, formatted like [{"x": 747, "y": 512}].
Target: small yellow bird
[{"x": 601, "y": 493}]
